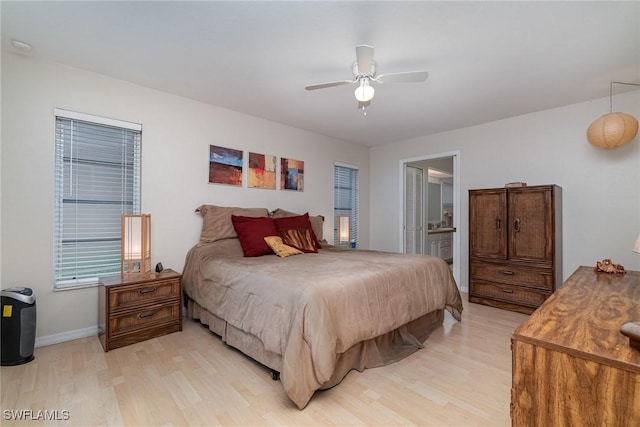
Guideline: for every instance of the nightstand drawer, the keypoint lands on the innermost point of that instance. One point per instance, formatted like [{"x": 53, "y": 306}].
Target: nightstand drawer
[
  {"x": 510, "y": 274},
  {"x": 131, "y": 296},
  {"x": 144, "y": 318},
  {"x": 509, "y": 293}
]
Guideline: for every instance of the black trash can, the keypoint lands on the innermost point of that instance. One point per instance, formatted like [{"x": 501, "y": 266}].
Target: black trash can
[{"x": 18, "y": 323}]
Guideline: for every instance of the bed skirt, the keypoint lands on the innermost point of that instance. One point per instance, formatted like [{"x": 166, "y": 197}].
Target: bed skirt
[{"x": 379, "y": 351}]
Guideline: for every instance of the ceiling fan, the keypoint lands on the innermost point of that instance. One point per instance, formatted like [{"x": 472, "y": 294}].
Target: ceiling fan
[{"x": 364, "y": 72}]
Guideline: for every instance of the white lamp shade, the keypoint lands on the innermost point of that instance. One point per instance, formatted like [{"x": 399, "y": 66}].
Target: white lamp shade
[
  {"x": 636, "y": 247},
  {"x": 136, "y": 244},
  {"x": 343, "y": 229},
  {"x": 612, "y": 130},
  {"x": 133, "y": 239},
  {"x": 365, "y": 91}
]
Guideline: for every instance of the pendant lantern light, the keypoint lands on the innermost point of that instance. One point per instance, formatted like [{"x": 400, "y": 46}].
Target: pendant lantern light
[{"x": 614, "y": 129}]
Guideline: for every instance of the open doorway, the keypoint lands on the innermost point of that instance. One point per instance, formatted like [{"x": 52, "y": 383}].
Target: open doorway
[{"x": 430, "y": 207}]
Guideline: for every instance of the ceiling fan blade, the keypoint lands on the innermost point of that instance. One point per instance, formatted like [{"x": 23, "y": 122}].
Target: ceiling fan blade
[
  {"x": 364, "y": 58},
  {"x": 408, "y": 77},
  {"x": 331, "y": 84}
]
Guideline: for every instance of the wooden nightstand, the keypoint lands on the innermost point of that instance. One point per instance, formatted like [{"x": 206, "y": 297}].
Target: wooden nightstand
[{"x": 138, "y": 307}]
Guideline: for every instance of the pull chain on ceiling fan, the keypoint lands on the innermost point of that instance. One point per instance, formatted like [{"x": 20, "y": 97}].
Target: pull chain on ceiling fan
[{"x": 364, "y": 72}]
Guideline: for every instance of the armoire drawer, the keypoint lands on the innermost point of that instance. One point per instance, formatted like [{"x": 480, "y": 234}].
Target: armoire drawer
[
  {"x": 509, "y": 293},
  {"x": 513, "y": 275}
]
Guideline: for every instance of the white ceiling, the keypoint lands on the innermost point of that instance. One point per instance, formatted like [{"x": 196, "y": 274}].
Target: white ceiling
[{"x": 486, "y": 60}]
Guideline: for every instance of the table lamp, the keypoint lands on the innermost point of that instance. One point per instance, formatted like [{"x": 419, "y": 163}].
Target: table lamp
[
  {"x": 136, "y": 244},
  {"x": 343, "y": 230}
]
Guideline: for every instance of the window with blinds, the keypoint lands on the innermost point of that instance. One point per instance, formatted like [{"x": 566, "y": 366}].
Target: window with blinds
[
  {"x": 97, "y": 180},
  {"x": 345, "y": 199}
]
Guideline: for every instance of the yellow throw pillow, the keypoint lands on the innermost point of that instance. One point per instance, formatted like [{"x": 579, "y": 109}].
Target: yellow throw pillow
[{"x": 282, "y": 250}]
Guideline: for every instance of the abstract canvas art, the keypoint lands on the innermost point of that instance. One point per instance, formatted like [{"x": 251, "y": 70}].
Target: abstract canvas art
[
  {"x": 225, "y": 165},
  {"x": 262, "y": 171},
  {"x": 291, "y": 174}
]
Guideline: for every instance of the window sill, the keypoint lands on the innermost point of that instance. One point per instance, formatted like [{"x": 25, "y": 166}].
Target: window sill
[{"x": 58, "y": 288}]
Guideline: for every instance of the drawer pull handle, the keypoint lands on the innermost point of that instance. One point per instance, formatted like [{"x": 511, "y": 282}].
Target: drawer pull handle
[
  {"x": 498, "y": 224},
  {"x": 147, "y": 291},
  {"x": 146, "y": 314},
  {"x": 507, "y": 290},
  {"x": 507, "y": 272}
]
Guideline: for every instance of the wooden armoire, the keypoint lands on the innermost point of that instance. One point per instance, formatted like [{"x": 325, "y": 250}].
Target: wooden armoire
[{"x": 515, "y": 246}]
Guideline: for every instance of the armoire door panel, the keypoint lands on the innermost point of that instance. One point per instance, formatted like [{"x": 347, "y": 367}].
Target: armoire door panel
[
  {"x": 488, "y": 214},
  {"x": 531, "y": 227}
]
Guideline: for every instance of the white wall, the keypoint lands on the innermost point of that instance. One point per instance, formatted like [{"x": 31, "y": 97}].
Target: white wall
[
  {"x": 177, "y": 133},
  {"x": 601, "y": 189}
]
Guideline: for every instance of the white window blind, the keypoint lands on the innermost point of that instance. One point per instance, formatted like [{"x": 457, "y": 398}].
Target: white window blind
[
  {"x": 97, "y": 180},
  {"x": 345, "y": 199}
]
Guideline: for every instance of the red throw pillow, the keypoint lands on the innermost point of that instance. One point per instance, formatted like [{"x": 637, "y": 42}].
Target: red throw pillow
[
  {"x": 300, "y": 222},
  {"x": 251, "y": 233}
]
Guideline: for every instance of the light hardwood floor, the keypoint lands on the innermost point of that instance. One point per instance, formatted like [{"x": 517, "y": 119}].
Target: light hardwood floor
[{"x": 461, "y": 378}]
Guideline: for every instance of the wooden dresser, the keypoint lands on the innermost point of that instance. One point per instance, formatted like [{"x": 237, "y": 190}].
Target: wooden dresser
[
  {"x": 571, "y": 365},
  {"x": 515, "y": 246},
  {"x": 137, "y": 307}
]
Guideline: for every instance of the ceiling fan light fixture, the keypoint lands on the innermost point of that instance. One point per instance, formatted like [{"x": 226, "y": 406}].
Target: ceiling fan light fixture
[
  {"x": 364, "y": 92},
  {"x": 364, "y": 72}
]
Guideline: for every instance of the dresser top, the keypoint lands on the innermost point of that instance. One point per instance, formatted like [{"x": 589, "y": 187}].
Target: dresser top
[
  {"x": 583, "y": 318},
  {"x": 131, "y": 278}
]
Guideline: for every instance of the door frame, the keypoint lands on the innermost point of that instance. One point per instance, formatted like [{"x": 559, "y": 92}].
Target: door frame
[{"x": 456, "y": 203}]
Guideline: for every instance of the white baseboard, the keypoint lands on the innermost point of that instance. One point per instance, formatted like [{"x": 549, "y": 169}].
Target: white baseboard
[{"x": 66, "y": 336}]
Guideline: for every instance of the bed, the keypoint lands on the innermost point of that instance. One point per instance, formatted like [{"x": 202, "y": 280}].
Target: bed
[{"x": 313, "y": 317}]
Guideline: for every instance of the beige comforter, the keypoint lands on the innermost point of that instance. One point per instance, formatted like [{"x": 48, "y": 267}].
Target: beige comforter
[{"x": 310, "y": 308}]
